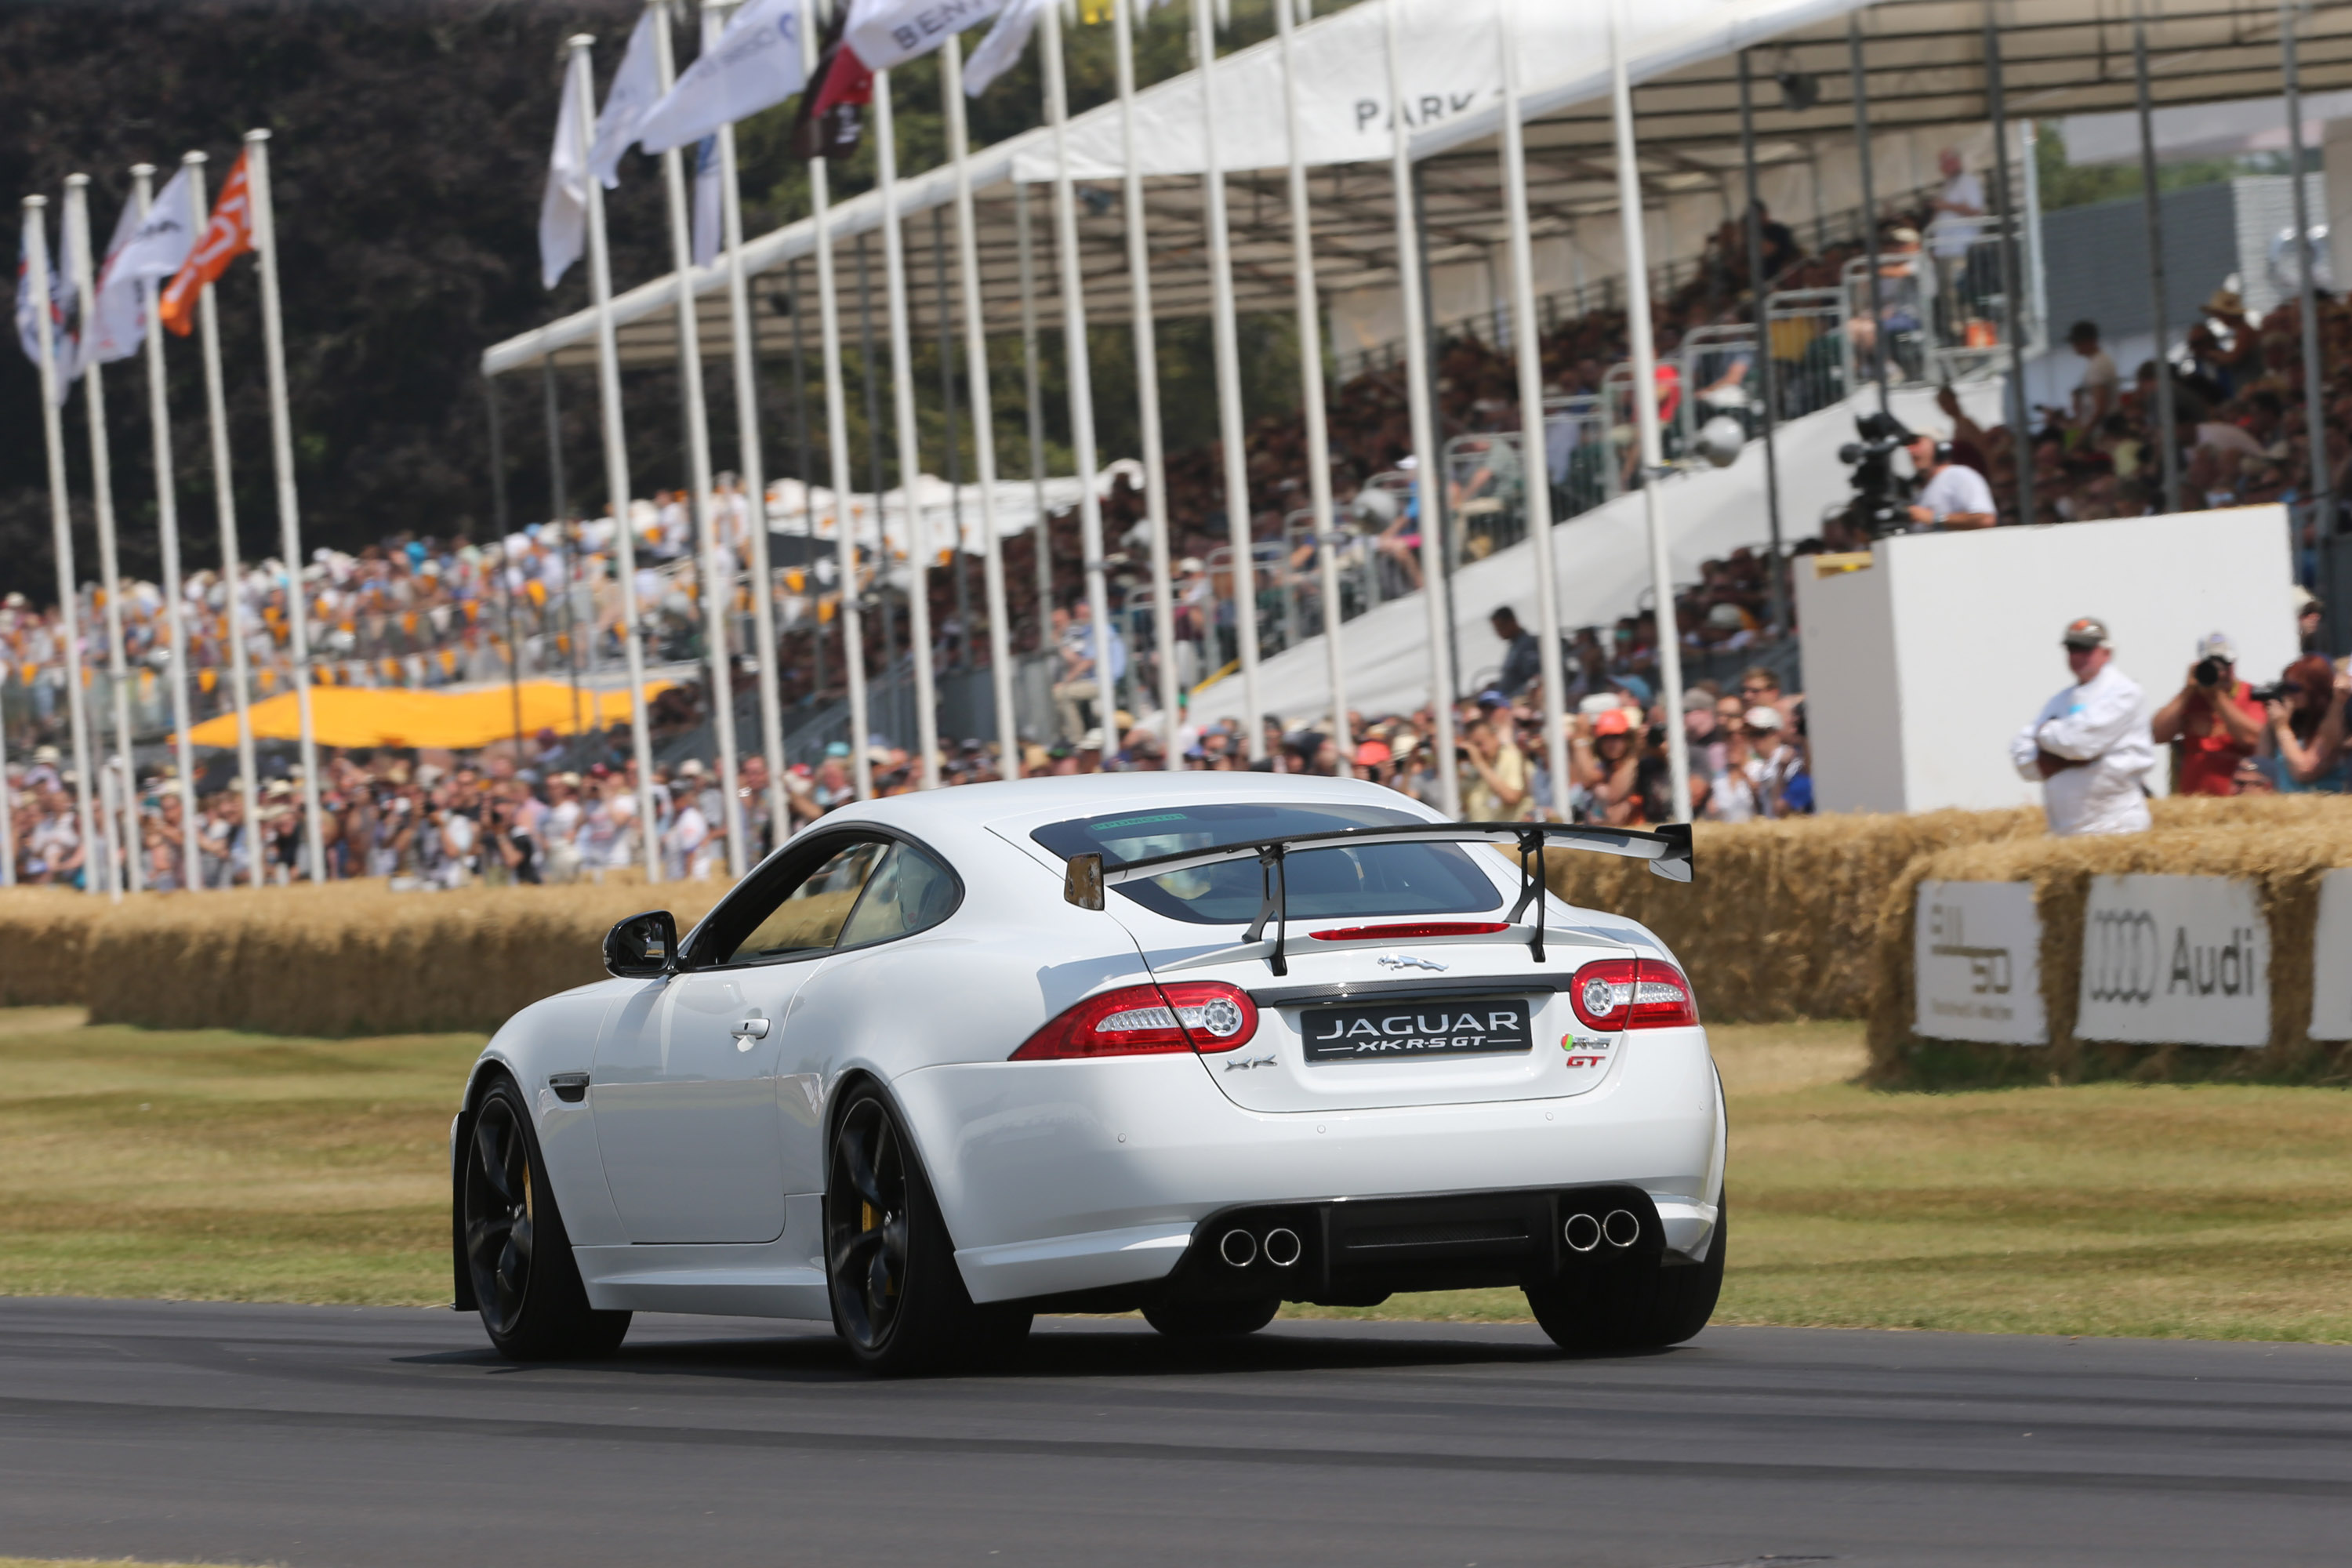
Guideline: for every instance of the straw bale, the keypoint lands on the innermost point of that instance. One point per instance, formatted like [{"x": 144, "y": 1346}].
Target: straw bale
[
  {"x": 44, "y": 935},
  {"x": 355, "y": 958},
  {"x": 2283, "y": 846}
]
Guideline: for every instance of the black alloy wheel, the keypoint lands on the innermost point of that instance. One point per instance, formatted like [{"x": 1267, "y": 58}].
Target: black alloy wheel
[
  {"x": 898, "y": 1299},
  {"x": 498, "y": 1229},
  {"x": 866, "y": 1226},
  {"x": 517, "y": 1257}
]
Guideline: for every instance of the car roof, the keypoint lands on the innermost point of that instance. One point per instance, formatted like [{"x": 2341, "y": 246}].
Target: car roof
[{"x": 981, "y": 806}]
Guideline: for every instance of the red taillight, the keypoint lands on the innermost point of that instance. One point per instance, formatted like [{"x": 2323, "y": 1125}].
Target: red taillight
[
  {"x": 1205, "y": 1015},
  {"x": 1411, "y": 930},
  {"x": 1614, "y": 994}
]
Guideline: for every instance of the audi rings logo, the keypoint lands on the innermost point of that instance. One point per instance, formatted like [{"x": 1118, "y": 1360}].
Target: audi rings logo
[{"x": 2123, "y": 958}]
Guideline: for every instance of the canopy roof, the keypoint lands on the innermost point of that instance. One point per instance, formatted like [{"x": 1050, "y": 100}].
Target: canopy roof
[{"x": 1925, "y": 71}]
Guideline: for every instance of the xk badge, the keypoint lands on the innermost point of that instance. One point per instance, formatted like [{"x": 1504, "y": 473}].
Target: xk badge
[{"x": 1240, "y": 1064}]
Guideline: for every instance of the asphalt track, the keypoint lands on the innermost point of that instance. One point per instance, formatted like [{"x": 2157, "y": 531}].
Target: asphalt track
[{"x": 320, "y": 1435}]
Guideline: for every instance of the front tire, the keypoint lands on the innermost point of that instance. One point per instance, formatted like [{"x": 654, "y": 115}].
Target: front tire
[
  {"x": 517, "y": 1257},
  {"x": 1634, "y": 1307},
  {"x": 1212, "y": 1320},
  {"x": 899, "y": 1300}
]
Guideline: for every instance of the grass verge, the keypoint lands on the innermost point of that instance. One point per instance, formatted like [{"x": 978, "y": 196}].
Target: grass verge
[{"x": 247, "y": 1167}]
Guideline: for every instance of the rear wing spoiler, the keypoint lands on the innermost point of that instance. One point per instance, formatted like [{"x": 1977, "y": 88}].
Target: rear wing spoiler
[{"x": 1667, "y": 848}]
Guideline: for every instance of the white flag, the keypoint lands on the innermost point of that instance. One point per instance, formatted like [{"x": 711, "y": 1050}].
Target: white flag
[
  {"x": 1001, "y": 51},
  {"x": 563, "y": 210},
  {"x": 755, "y": 65},
  {"x": 637, "y": 85},
  {"x": 888, "y": 33},
  {"x": 29, "y": 311},
  {"x": 142, "y": 250},
  {"x": 708, "y": 211}
]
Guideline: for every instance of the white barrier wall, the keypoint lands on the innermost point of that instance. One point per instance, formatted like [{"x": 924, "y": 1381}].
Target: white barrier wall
[{"x": 1920, "y": 669}]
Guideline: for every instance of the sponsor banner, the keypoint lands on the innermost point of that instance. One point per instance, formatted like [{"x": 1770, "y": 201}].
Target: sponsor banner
[
  {"x": 2175, "y": 961},
  {"x": 1977, "y": 957},
  {"x": 2331, "y": 960}
]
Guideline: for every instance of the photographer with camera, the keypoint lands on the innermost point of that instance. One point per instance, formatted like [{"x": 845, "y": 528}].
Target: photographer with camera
[
  {"x": 2212, "y": 725},
  {"x": 2090, "y": 746},
  {"x": 1952, "y": 495}
]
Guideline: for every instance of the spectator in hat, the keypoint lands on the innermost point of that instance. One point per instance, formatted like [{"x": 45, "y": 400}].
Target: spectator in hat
[
  {"x": 1605, "y": 762},
  {"x": 2089, "y": 747},
  {"x": 2212, "y": 723}
]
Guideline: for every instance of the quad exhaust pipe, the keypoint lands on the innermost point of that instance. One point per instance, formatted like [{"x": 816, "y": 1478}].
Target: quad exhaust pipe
[
  {"x": 1281, "y": 1247},
  {"x": 1584, "y": 1232}
]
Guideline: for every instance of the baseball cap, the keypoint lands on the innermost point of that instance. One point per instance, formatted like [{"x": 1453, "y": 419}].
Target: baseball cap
[
  {"x": 2217, "y": 645},
  {"x": 1371, "y": 753},
  {"x": 1761, "y": 717},
  {"x": 1616, "y": 721},
  {"x": 2085, "y": 631}
]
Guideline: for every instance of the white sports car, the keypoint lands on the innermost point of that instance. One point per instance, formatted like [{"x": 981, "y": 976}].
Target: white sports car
[{"x": 1195, "y": 1044}]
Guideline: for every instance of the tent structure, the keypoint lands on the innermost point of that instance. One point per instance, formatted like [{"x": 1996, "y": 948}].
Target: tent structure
[
  {"x": 1924, "y": 61},
  {"x": 457, "y": 721}
]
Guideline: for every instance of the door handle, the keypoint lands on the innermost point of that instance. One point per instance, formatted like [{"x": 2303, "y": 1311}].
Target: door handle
[{"x": 751, "y": 1028}]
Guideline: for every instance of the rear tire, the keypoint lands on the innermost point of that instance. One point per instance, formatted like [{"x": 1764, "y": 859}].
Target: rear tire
[
  {"x": 517, "y": 1257},
  {"x": 1211, "y": 1320},
  {"x": 899, "y": 1300},
  {"x": 1635, "y": 1308}
]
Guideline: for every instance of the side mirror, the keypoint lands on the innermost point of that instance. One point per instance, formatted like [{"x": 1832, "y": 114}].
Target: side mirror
[
  {"x": 642, "y": 947},
  {"x": 1082, "y": 884}
]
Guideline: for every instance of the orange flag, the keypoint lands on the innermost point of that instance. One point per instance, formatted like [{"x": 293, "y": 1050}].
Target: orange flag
[{"x": 228, "y": 236}]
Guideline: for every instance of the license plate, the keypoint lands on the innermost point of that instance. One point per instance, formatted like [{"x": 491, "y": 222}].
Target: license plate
[{"x": 1403, "y": 1030}]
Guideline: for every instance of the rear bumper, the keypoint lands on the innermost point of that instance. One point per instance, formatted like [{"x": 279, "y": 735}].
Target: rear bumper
[{"x": 1063, "y": 1177}]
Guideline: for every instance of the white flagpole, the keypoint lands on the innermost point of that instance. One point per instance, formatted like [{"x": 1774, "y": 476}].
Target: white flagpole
[
  {"x": 902, "y": 397},
  {"x": 836, "y": 444},
  {"x": 1535, "y": 462},
  {"x": 1124, "y": 18},
  {"x": 232, "y": 568},
  {"x": 616, "y": 460},
  {"x": 110, "y": 576},
  {"x": 718, "y": 583},
  {"x": 1080, "y": 370},
  {"x": 1425, "y": 428},
  {"x": 1229, "y": 381},
  {"x": 167, "y": 508},
  {"x": 1645, "y": 414},
  {"x": 289, "y": 520},
  {"x": 752, "y": 463},
  {"x": 53, "y": 434},
  {"x": 983, "y": 416},
  {"x": 1310, "y": 378}
]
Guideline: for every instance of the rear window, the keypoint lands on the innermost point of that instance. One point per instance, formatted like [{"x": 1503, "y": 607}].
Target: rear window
[{"x": 1322, "y": 884}]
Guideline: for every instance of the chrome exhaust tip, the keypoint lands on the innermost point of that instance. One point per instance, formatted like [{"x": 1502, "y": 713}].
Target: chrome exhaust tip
[
  {"x": 1582, "y": 1233},
  {"x": 1283, "y": 1247},
  {"x": 1238, "y": 1248},
  {"x": 1622, "y": 1227}
]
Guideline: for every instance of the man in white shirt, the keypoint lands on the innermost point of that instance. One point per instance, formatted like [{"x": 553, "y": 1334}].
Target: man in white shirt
[
  {"x": 1951, "y": 494},
  {"x": 2089, "y": 747},
  {"x": 1960, "y": 219}
]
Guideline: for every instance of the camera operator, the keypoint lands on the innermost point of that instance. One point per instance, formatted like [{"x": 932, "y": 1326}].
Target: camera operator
[
  {"x": 1952, "y": 495},
  {"x": 2090, "y": 746},
  {"x": 2213, "y": 723}
]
